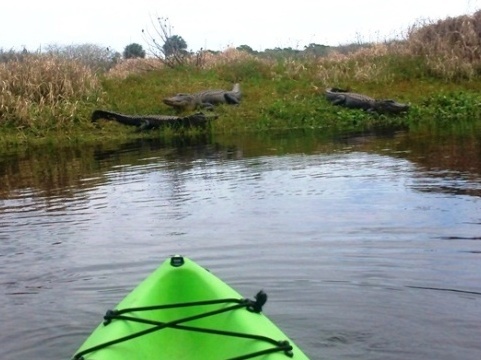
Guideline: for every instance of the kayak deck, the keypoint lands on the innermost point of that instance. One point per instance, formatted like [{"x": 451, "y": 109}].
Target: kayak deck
[{"x": 182, "y": 311}]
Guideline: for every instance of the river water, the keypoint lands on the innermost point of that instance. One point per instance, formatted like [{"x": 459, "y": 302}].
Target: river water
[{"x": 368, "y": 245}]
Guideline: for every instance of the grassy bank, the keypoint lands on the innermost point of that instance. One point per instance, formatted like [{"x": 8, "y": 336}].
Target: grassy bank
[{"x": 436, "y": 69}]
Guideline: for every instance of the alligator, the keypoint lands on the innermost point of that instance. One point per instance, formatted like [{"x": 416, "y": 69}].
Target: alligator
[
  {"x": 353, "y": 100},
  {"x": 205, "y": 99},
  {"x": 146, "y": 122}
]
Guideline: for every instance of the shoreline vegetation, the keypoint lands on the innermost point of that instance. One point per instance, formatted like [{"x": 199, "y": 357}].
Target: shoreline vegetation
[{"x": 50, "y": 96}]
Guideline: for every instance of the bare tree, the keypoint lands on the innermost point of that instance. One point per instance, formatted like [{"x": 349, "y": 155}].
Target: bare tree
[{"x": 162, "y": 44}]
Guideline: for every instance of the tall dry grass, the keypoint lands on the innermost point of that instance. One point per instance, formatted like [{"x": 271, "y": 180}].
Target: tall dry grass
[
  {"x": 41, "y": 90},
  {"x": 451, "y": 47},
  {"x": 204, "y": 60},
  {"x": 128, "y": 67},
  {"x": 448, "y": 49},
  {"x": 364, "y": 64}
]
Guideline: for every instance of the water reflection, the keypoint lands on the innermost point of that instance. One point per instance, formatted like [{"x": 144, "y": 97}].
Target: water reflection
[
  {"x": 446, "y": 164},
  {"x": 50, "y": 173}
]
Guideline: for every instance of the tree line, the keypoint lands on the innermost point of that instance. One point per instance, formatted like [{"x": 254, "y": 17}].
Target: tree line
[{"x": 169, "y": 48}]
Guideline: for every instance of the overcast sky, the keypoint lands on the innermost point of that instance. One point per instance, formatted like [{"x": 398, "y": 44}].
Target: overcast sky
[{"x": 217, "y": 24}]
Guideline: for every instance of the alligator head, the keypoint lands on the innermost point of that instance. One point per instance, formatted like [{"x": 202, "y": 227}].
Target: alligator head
[
  {"x": 181, "y": 101},
  {"x": 390, "y": 106}
]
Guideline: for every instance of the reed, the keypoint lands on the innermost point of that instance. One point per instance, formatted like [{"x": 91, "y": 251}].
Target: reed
[
  {"x": 41, "y": 91},
  {"x": 451, "y": 47}
]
